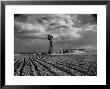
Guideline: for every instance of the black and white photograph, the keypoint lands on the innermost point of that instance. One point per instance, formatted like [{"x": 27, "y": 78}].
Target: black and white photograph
[{"x": 55, "y": 44}]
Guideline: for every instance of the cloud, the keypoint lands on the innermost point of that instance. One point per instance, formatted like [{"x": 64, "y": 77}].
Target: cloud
[
  {"x": 62, "y": 26},
  {"x": 28, "y": 27}
]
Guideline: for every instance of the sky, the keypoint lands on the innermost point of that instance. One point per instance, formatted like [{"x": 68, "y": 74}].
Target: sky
[{"x": 68, "y": 30}]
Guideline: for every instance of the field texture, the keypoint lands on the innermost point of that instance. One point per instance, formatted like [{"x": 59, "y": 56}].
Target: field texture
[{"x": 55, "y": 65}]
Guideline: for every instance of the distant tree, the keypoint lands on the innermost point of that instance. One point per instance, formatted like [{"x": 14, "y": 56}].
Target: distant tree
[{"x": 50, "y": 37}]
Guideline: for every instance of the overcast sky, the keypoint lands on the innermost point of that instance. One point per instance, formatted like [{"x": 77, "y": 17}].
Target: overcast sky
[{"x": 68, "y": 30}]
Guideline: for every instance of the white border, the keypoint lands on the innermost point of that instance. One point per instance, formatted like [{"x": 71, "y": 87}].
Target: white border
[{"x": 100, "y": 79}]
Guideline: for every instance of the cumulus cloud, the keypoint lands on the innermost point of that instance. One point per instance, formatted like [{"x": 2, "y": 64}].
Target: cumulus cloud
[{"x": 62, "y": 26}]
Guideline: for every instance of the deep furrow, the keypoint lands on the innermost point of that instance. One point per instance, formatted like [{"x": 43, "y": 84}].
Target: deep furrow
[
  {"x": 31, "y": 72},
  {"x": 78, "y": 68},
  {"x": 31, "y": 65},
  {"x": 68, "y": 67},
  {"x": 17, "y": 62},
  {"x": 18, "y": 70},
  {"x": 43, "y": 71},
  {"x": 31, "y": 69},
  {"x": 57, "y": 71},
  {"x": 54, "y": 69},
  {"x": 21, "y": 70},
  {"x": 18, "y": 58},
  {"x": 48, "y": 68},
  {"x": 71, "y": 72},
  {"x": 27, "y": 70},
  {"x": 35, "y": 68},
  {"x": 17, "y": 66}
]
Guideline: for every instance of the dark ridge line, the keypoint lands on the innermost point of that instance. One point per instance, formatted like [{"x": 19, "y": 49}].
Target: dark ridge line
[
  {"x": 35, "y": 67},
  {"x": 16, "y": 67},
  {"x": 75, "y": 69},
  {"x": 64, "y": 70},
  {"x": 21, "y": 70},
  {"x": 68, "y": 67},
  {"x": 40, "y": 59},
  {"x": 42, "y": 68},
  {"x": 30, "y": 68},
  {"x": 17, "y": 61},
  {"x": 81, "y": 71},
  {"x": 27, "y": 64},
  {"x": 47, "y": 68}
]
